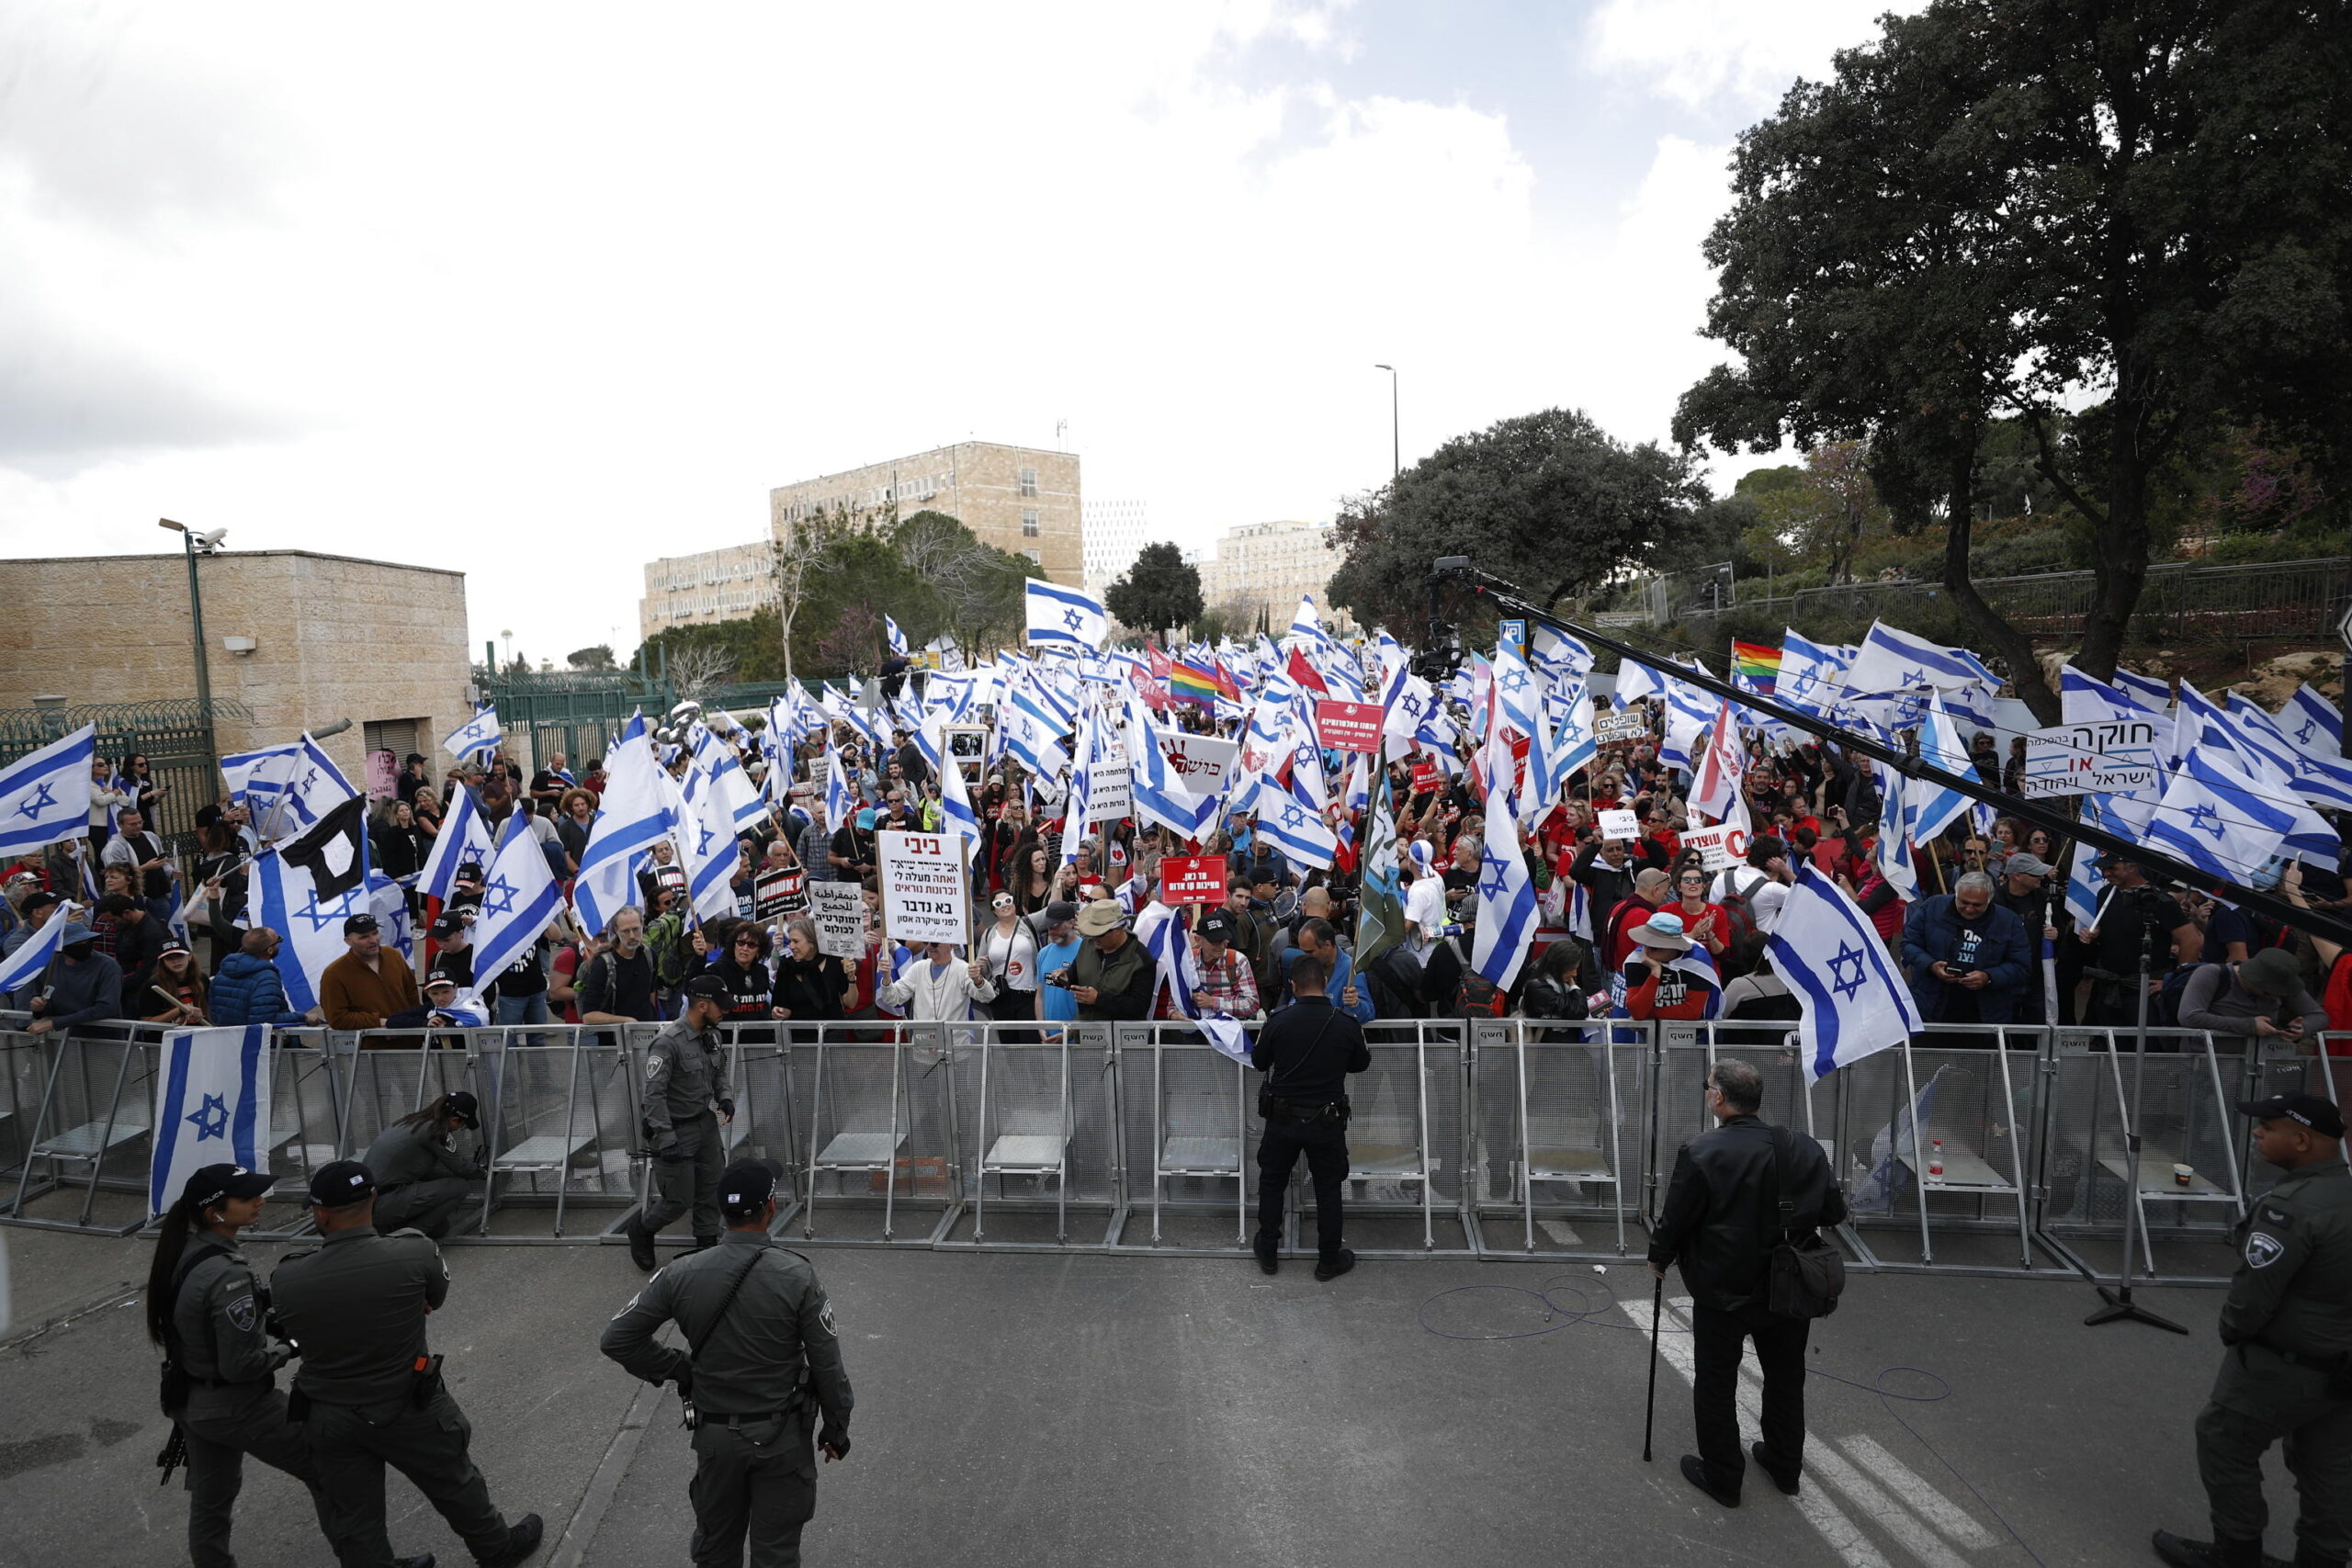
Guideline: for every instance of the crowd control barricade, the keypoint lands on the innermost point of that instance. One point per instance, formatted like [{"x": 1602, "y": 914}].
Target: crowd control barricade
[
  {"x": 1185, "y": 1123},
  {"x": 2285, "y": 1070},
  {"x": 559, "y": 1124},
  {"x": 1568, "y": 1100},
  {"x": 305, "y": 1128},
  {"x": 1036, "y": 1118},
  {"x": 89, "y": 1128},
  {"x": 879, "y": 1136},
  {"x": 1935, "y": 1147},
  {"x": 2177, "y": 1103},
  {"x": 1406, "y": 1143}
]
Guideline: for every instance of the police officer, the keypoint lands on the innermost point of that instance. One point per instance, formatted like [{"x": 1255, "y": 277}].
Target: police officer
[
  {"x": 1306, "y": 1051},
  {"x": 2288, "y": 1374},
  {"x": 685, "y": 1078},
  {"x": 421, "y": 1179},
  {"x": 762, "y": 1361},
  {"x": 220, "y": 1382},
  {"x": 369, "y": 1394}
]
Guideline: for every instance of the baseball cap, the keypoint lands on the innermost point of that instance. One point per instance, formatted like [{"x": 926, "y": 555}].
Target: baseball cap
[
  {"x": 214, "y": 1182},
  {"x": 2024, "y": 864},
  {"x": 447, "y": 925},
  {"x": 470, "y": 871},
  {"x": 171, "y": 945},
  {"x": 746, "y": 1184},
  {"x": 707, "y": 987},
  {"x": 359, "y": 925},
  {"x": 457, "y": 1103},
  {"x": 440, "y": 978},
  {"x": 1218, "y": 926},
  {"x": 340, "y": 1183},
  {"x": 2320, "y": 1115},
  {"x": 1060, "y": 912}
]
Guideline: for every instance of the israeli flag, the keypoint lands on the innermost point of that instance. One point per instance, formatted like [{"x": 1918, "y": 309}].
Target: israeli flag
[
  {"x": 22, "y": 967},
  {"x": 1164, "y": 936},
  {"x": 1811, "y": 675},
  {"x": 1294, "y": 827},
  {"x": 1934, "y": 806},
  {"x": 519, "y": 899},
  {"x": 294, "y": 789},
  {"x": 710, "y": 856},
  {"x": 1064, "y": 618},
  {"x": 45, "y": 796},
  {"x": 479, "y": 733},
  {"x": 840, "y": 801},
  {"x": 241, "y": 768},
  {"x": 1558, "y": 655},
  {"x": 2216, "y": 819},
  {"x": 897, "y": 639},
  {"x": 464, "y": 837},
  {"x": 1506, "y": 897},
  {"x": 1855, "y": 1002},
  {"x": 1517, "y": 689},
  {"x": 716, "y": 757},
  {"x": 1158, "y": 797},
  {"x": 2083, "y": 880},
  {"x": 1080, "y": 804},
  {"x": 955, "y": 813},
  {"x": 1573, "y": 746},
  {"x": 636, "y": 812},
  {"x": 1895, "y": 661},
  {"x": 211, "y": 1107},
  {"x": 309, "y": 885}
]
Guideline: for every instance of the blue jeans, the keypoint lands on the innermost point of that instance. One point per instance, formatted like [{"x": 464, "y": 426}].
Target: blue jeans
[{"x": 531, "y": 1008}]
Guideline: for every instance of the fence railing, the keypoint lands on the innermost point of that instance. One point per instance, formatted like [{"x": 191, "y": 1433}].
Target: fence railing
[{"x": 2002, "y": 1150}]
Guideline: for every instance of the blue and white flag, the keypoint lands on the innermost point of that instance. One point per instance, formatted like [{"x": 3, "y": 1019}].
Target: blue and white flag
[
  {"x": 1895, "y": 661},
  {"x": 480, "y": 733},
  {"x": 519, "y": 900},
  {"x": 464, "y": 838},
  {"x": 636, "y": 812},
  {"x": 1165, "y": 936},
  {"x": 1825, "y": 947},
  {"x": 45, "y": 796},
  {"x": 716, "y": 756},
  {"x": 955, "y": 813},
  {"x": 841, "y": 800},
  {"x": 22, "y": 967},
  {"x": 1506, "y": 897},
  {"x": 1558, "y": 655},
  {"x": 294, "y": 788},
  {"x": 307, "y": 887},
  {"x": 2216, "y": 819},
  {"x": 1932, "y": 807},
  {"x": 1157, "y": 795},
  {"x": 1295, "y": 827},
  {"x": 1064, "y": 618},
  {"x": 898, "y": 640},
  {"x": 1812, "y": 677},
  {"x": 211, "y": 1107},
  {"x": 708, "y": 835}
]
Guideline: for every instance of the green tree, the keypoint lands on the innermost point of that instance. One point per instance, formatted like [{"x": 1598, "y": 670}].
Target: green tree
[
  {"x": 597, "y": 658},
  {"x": 1160, "y": 590},
  {"x": 1548, "y": 499},
  {"x": 2001, "y": 205}
]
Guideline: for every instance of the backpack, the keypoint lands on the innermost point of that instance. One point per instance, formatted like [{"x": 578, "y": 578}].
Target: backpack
[
  {"x": 1396, "y": 980},
  {"x": 1739, "y": 913},
  {"x": 1475, "y": 996}
]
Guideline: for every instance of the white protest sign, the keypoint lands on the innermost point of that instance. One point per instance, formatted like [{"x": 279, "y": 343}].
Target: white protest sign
[
  {"x": 1109, "y": 792},
  {"x": 1620, "y": 825},
  {"x": 923, "y": 897},
  {"x": 1719, "y": 848},
  {"x": 1201, "y": 764},
  {"x": 839, "y": 909},
  {"x": 1629, "y": 724},
  {"x": 2108, "y": 757}
]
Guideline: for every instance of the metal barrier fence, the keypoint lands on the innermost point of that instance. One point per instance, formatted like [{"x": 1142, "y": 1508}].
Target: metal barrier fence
[{"x": 2005, "y": 1151}]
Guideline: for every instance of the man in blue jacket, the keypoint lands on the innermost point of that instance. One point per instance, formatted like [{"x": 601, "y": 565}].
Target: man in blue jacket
[
  {"x": 1320, "y": 939},
  {"x": 248, "y": 990},
  {"x": 1966, "y": 957}
]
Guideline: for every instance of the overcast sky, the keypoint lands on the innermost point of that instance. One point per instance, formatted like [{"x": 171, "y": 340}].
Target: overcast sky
[{"x": 543, "y": 292}]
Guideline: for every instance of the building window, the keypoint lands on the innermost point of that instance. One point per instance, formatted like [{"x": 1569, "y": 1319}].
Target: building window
[
  {"x": 1028, "y": 481},
  {"x": 1036, "y": 556},
  {"x": 1028, "y": 523}
]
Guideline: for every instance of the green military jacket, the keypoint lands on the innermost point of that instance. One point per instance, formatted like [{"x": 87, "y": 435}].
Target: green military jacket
[
  {"x": 2292, "y": 1289},
  {"x": 752, "y": 1355}
]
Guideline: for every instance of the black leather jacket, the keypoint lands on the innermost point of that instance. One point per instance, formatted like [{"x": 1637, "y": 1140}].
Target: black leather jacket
[{"x": 1721, "y": 1220}]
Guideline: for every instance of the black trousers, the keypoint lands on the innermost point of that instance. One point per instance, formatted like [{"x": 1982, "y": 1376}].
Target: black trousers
[
  {"x": 1718, "y": 1338},
  {"x": 352, "y": 1444},
  {"x": 1324, "y": 1144},
  {"x": 753, "y": 1487},
  {"x": 222, "y": 1426}
]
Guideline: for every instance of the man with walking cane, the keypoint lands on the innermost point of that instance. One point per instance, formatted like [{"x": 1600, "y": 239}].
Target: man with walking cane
[{"x": 1737, "y": 1192}]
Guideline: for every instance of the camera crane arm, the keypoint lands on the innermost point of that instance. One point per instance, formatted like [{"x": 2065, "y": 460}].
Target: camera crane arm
[{"x": 1457, "y": 572}]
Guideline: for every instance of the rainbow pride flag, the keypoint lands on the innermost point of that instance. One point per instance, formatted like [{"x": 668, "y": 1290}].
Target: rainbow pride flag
[
  {"x": 1759, "y": 663},
  {"x": 1190, "y": 684}
]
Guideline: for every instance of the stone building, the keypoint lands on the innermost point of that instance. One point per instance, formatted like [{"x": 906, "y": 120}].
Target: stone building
[
  {"x": 1017, "y": 498},
  {"x": 1268, "y": 566},
  {"x": 300, "y": 640},
  {"x": 724, "y": 584}
]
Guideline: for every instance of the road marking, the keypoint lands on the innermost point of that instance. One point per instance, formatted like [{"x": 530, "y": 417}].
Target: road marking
[
  {"x": 1914, "y": 1489},
  {"x": 1560, "y": 1234},
  {"x": 1824, "y": 1461},
  {"x": 1844, "y": 1537}
]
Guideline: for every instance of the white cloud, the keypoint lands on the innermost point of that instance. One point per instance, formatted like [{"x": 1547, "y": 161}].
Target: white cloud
[
  {"x": 544, "y": 293},
  {"x": 1736, "y": 54}
]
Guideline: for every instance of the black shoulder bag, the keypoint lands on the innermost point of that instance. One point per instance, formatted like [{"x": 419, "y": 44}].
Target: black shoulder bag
[{"x": 1806, "y": 1275}]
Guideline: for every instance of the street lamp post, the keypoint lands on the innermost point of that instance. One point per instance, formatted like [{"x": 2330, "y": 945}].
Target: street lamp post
[
  {"x": 194, "y": 545},
  {"x": 1396, "y": 446}
]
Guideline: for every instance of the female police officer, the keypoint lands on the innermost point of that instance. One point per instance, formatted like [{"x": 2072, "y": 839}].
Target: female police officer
[
  {"x": 421, "y": 1180},
  {"x": 204, "y": 1310}
]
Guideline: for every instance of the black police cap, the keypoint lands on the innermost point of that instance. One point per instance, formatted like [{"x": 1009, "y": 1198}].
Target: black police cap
[
  {"x": 747, "y": 1184},
  {"x": 340, "y": 1183},
  {"x": 707, "y": 987},
  {"x": 463, "y": 1106},
  {"x": 2320, "y": 1115},
  {"x": 214, "y": 1182}
]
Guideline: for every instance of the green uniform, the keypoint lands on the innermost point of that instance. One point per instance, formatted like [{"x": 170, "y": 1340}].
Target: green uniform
[
  {"x": 233, "y": 1405},
  {"x": 684, "y": 1074},
  {"x": 2289, "y": 1325},
  {"x": 755, "y": 1473},
  {"x": 421, "y": 1181},
  {"x": 356, "y": 1305}
]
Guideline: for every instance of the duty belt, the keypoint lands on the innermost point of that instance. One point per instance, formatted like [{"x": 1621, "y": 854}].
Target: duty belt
[
  {"x": 2305, "y": 1359},
  {"x": 710, "y": 1420}
]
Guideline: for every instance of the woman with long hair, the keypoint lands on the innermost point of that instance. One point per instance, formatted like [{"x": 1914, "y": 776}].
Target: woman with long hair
[
  {"x": 172, "y": 991},
  {"x": 421, "y": 1178},
  {"x": 1030, "y": 876},
  {"x": 221, "y": 1375}
]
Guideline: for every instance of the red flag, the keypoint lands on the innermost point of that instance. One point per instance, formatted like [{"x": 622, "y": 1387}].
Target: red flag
[
  {"x": 1160, "y": 663},
  {"x": 1303, "y": 673}
]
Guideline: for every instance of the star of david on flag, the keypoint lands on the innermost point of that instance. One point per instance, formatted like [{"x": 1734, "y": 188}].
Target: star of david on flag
[
  {"x": 479, "y": 733},
  {"x": 45, "y": 796},
  {"x": 1855, "y": 1002},
  {"x": 212, "y": 1106},
  {"x": 1064, "y": 618}
]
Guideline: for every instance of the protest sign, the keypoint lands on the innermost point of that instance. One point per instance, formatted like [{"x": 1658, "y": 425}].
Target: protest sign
[
  {"x": 2108, "y": 757},
  {"x": 1627, "y": 725},
  {"x": 1719, "y": 848},
  {"x": 840, "y": 911},
  {"x": 1348, "y": 726},
  {"x": 923, "y": 897},
  {"x": 1620, "y": 825},
  {"x": 1192, "y": 879},
  {"x": 1203, "y": 765}
]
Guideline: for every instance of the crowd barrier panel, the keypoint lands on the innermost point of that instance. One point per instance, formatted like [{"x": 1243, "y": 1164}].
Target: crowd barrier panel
[
  {"x": 1037, "y": 1114},
  {"x": 95, "y": 1113},
  {"x": 1185, "y": 1108},
  {"x": 2174, "y": 1107},
  {"x": 1569, "y": 1102},
  {"x": 881, "y": 1106}
]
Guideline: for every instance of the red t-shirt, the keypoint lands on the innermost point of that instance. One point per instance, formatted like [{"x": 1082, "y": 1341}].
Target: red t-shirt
[{"x": 566, "y": 963}]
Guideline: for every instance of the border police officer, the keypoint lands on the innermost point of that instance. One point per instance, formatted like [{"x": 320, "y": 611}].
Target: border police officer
[
  {"x": 421, "y": 1179},
  {"x": 763, "y": 1360},
  {"x": 369, "y": 1394},
  {"x": 2288, "y": 1374},
  {"x": 1306, "y": 1051},
  {"x": 685, "y": 1076}
]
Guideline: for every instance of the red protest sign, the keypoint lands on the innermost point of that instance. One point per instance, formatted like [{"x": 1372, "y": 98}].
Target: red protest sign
[
  {"x": 1192, "y": 879},
  {"x": 1427, "y": 779},
  {"x": 1348, "y": 726}
]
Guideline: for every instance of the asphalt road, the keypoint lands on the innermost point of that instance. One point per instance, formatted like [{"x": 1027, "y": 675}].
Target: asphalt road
[{"x": 1038, "y": 1411}]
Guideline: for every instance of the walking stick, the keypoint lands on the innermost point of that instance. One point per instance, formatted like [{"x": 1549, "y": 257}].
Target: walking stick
[{"x": 1649, "y": 1412}]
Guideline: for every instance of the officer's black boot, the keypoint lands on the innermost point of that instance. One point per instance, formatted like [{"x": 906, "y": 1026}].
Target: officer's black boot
[
  {"x": 2183, "y": 1554},
  {"x": 522, "y": 1539},
  {"x": 2305, "y": 1557},
  {"x": 640, "y": 1243},
  {"x": 422, "y": 1560}
]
